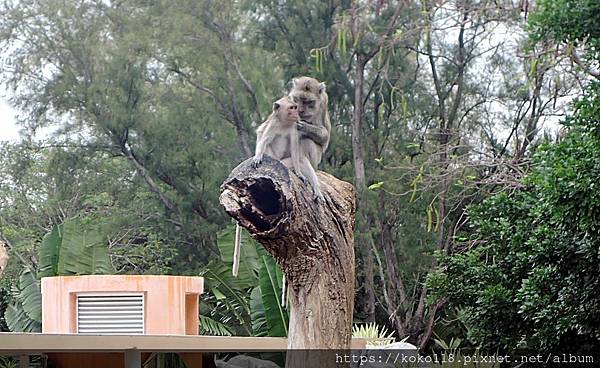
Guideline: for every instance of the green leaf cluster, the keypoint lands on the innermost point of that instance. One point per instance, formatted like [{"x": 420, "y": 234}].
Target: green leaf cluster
[
  {"x": 531, "y": 278},
  {"x": 76, "y": 247},
  {"x": 249, "y": 304},
  {"x": 570, "y": 21}
]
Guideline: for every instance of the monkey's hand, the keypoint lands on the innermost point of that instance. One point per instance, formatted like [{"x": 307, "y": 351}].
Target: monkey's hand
[
  {"x": 256, "y": 161},
  {"x": 301, "y": 125},
  {"x": 318, "y": 134}
]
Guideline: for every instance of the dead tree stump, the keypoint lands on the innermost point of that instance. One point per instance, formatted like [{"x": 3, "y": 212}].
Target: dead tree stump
[{"x": 313, "y": 243}]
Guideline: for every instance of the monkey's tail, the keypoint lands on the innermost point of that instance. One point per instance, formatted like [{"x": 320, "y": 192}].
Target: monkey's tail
[{"x": 236, "y": 249}]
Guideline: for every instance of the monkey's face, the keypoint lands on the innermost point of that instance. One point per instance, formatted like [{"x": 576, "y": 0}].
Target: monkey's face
[
  {"x": 309, "y": 94},
  {"x": 307, "y": 107},
  {"x": 286, "y": 110},
  {"x": 292, "y": 113}
]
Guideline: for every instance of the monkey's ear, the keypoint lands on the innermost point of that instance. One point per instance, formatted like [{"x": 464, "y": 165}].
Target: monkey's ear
[
  {"x": 294, "y": 82},
  {"x": 322, "y": 87},
  {"x": 276, "y": 106}
]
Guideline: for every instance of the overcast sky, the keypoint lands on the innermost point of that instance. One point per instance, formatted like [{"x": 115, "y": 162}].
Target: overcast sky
[{"x": 8, "y": 128}]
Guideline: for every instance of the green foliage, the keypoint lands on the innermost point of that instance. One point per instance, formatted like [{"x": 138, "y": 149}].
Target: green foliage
[
  {"x": 153, "y": 109},
  {"x": 76, "y": 247},
  {"x": 568, "y": 21},
  {"x": 50, "y": 252},
  {"x": 249, "y": 304},
  {"x": 587, "y": 111},
  {"x": 531, "y": 278},
  {"x": 250, "y": 261},
  {"x": 24, "y": 313},
  {"x": 258, "y": 315},
  {"x": 209, "y": 326},
  {"x": 30, "y": 295},
  {"x": 228, "y": 298},
  {"x": 270, "y": 281},
  {"x": 8, "y": 362},
  {"x": 146, "y": 253}
]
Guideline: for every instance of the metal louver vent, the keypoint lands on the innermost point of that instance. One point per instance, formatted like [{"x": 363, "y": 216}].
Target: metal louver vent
[{"x": 112, "y": 314}]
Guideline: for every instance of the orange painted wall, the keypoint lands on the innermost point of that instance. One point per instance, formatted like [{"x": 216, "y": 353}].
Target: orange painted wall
[{"x": 171, "y": 302}]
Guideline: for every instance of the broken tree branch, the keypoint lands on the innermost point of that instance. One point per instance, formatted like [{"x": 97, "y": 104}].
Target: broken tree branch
[{"x": 312, "y": 242}]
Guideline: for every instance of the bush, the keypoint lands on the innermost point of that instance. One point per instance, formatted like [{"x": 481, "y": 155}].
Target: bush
[{"x": 531, "y": 276}]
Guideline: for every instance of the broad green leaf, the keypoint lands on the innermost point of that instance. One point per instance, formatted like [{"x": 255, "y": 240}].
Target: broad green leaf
[
  {"x": 257, "y": 314},
  {"x": 84, "y": 250},
  {"x": 218, "y": 274},
  {"x": 31, "y": 295},
  {"x": 271, "y": 279},
  {"x": 224, "y": 286},
  {"x": 50, "y": 259},
  {"x": 209, "y": 326},
  {"x": 218, "y": 294},
  {"x": 76, "y": 247},
  {"x": 17, "y": 320}
]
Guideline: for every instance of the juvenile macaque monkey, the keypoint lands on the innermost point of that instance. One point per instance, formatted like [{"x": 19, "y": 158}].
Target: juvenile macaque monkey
[{"x": 278, "y": 137}]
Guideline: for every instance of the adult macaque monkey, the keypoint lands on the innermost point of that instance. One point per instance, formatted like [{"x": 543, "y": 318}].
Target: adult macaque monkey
[
  {"x": 314, "y": 127},
  {"x": 278, "y": 137}
]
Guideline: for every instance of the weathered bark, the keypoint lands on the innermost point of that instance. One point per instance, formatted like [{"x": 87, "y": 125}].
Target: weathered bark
[
  {"x": 360, "y": 180},
  {"x": 312, "y": 242},
  {"x": 3, "y": 257}
]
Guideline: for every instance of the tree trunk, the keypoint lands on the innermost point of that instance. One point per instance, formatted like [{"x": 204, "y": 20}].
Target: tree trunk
[
  {"x": 357, "y": 146},
  {"x": 360, "y": 181},
  {"x": 312, "y": 242}
]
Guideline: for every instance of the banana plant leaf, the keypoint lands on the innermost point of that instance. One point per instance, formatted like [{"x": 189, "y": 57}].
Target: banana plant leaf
[
  {"x": 30, "y": 295},
  {"x": 76, "y": 247},
  {"x": 218, "y": 275},
  {"x": 257, "y": 314},
  {"x": 209, "y": 326},
  {"x": 270, "y": 281},
  {"x": 51, "y": 260},
  {"x": 17, "y": 320}
]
